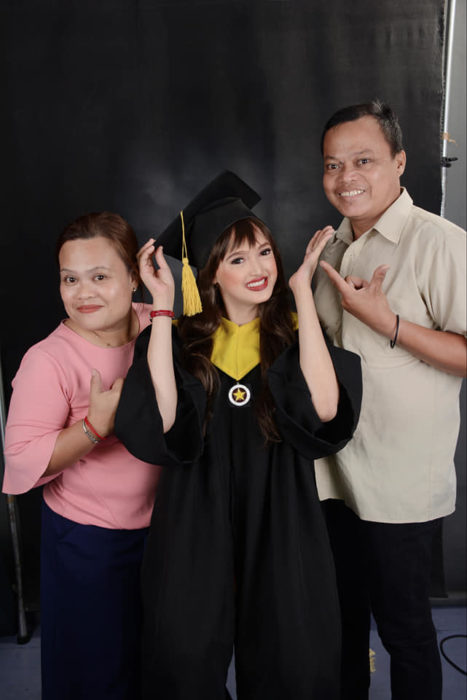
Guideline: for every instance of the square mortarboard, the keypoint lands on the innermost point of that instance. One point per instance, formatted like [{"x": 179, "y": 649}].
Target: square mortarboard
[{"x": 223, "y": 202}]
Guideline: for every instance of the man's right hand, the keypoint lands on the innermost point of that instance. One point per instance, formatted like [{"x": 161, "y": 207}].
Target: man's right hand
[{"x": 365, "y": 300}]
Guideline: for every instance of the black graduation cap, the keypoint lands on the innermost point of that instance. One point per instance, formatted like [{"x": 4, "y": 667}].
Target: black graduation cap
[
  {"x": 223, "y": 202},
  {"x": 191, "y": 236}
]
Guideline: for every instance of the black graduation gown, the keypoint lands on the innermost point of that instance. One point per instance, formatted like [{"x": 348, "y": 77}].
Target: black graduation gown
[{"x": 238, "y": 550}]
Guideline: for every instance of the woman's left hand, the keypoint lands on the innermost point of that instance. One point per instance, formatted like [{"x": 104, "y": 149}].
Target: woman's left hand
[
  {"x": 160, "y": 282},
  {"x": 315, "y": 247}
]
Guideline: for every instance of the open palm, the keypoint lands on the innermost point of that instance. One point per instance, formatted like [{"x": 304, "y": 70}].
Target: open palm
[{"x": 315, "y": 247}]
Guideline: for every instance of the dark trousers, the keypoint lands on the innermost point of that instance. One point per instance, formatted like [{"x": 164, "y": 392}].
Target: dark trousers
[
  {"x": 385, "y": 569},
  {"x": 90, "y": 610}
]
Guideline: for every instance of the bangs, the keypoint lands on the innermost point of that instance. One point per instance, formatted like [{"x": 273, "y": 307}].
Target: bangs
[{"x": 244, "y": 231}]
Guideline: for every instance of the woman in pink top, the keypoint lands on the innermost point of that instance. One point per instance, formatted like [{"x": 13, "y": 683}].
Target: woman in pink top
[{"x": 98, "y": 498}]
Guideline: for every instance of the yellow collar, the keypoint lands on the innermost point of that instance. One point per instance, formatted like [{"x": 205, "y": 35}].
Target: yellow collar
[{"x": 235, "y": 349}]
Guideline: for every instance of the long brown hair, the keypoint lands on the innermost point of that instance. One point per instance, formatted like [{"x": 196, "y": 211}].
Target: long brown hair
[{"x": 276, "y": 324}]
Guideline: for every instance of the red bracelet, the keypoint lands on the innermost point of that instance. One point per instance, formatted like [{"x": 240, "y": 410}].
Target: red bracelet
[
  {"x": 161, "y": 312},
  {"x": 93, "y": 430}
]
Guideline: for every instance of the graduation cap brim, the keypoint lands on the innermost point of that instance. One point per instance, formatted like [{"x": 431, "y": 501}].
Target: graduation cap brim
[{"x": 224, "y": 201}]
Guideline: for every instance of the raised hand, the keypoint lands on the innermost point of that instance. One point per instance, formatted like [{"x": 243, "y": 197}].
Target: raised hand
[
  {"x": 315, "y": 247},
  {"x": 365, "y": 300},
  {"x": 315, "y": 361},
  {"x": 103, "y": 404},
  {"x": 160, "y": 283}
]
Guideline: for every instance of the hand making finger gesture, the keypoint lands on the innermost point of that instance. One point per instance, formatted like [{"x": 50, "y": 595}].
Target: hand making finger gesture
[
  {"x": 365, "y": 300},
  {"x": 315, "y": 247},
  {"x": 160, "y": 282},
  {"x": 103, "y": 404}
]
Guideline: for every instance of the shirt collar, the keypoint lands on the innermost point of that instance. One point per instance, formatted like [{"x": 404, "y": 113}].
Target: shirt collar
[{"x": 390, "y": 224}]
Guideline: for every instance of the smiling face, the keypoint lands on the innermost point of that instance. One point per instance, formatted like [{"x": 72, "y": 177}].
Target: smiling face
[
  {"x": 361, "y": 176},
  {"x": 246, "y": 277},
  {"x": 96, "y": 286}
]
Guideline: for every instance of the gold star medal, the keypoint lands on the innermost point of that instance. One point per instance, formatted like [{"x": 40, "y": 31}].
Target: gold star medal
[
  {"x": 239, "y": 394},
  {"x": 236, "y": 352}
]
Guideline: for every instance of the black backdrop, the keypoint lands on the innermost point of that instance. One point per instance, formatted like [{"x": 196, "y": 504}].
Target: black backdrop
[{"x": 131, "y": 106}]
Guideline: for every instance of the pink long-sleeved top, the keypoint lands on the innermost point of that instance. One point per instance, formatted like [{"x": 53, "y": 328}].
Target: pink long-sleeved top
[{"x": 108, "y": 487}]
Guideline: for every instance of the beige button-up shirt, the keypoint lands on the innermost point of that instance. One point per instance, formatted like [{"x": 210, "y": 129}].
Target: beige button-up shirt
[{"x": 399, "y": 465}]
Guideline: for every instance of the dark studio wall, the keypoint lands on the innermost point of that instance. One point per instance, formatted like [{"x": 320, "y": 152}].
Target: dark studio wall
[{"x": 132, "y": 106}]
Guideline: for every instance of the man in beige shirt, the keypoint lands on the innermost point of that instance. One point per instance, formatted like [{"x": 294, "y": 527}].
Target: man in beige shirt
[{"x": 391, "y": 288}]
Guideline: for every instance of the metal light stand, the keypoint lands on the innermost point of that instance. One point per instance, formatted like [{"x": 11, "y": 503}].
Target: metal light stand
[
  {"x": 23, "y": 634},
  {"x": 446, "y": 161}
]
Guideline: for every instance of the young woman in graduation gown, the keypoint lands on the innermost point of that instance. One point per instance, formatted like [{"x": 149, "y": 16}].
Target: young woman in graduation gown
[{"x": 235, "y": 403}]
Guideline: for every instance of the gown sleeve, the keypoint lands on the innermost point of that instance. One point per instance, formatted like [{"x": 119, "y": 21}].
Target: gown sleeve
[
  {"x": 295, "y": 416},
  {"x": 138, "y": 423}
]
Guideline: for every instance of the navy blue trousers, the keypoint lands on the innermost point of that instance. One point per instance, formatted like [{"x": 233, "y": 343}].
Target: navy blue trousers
[
  {"x": 385, "y": 569},
  {"x": 90, "y": 610}
]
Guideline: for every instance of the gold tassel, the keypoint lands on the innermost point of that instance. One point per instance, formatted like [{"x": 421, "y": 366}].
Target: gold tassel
[{"x": 190, "y": 292}]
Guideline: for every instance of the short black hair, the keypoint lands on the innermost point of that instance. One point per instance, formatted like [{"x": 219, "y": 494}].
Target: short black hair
[{"x": 381, "y": 111}]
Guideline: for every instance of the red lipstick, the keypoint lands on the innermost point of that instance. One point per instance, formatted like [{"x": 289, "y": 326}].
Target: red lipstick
[
  {"x": 88, "y": 308},
  {"x": 258, "y": 285}
]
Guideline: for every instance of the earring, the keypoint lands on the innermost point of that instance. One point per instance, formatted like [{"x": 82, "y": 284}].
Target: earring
[{"x": 134, "y": 289}]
